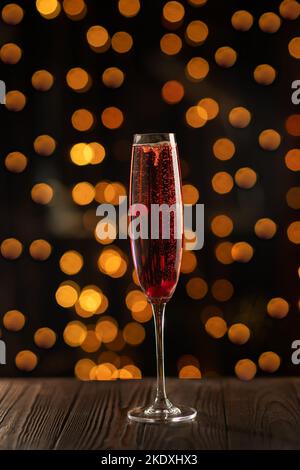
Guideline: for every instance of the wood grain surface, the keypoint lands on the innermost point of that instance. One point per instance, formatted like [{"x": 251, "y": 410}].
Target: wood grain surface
[{"x": 67, "y": 414}]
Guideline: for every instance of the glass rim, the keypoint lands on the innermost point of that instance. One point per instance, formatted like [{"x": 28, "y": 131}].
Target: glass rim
[{"x": 154, "y": 137}]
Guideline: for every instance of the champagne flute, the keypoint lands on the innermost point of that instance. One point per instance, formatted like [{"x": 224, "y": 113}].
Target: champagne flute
[{"x": 156, "y": 245}]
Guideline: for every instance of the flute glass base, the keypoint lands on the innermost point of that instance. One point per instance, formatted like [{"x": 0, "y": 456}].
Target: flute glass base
[{"x": 171, "y": 414}]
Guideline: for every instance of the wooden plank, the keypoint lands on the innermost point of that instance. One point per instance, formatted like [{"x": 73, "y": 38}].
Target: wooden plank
[
  {"x": 15, "y": 406},
  {"x": 99, "y": 418},
  {"x": 262, "y": 414},
  {"x": 42, "y": 426}
]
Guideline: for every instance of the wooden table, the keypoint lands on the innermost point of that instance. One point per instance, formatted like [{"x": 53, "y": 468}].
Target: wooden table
[{"x": 67, "y": 414}]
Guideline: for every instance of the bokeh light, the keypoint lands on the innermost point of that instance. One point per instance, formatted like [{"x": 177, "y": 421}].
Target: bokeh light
[
  {"x": 45, "y": 338},
  {"x": 26, "y": 360},
  {"x": 16, "y": 162},
  {"x": 245, "y": 369},
  {"x": 211, "y": 107},
  {"x": 222, "y": 290},
  {"x": 242, "y": 20},
  {"x": 292, "y": 125},
  {"x": 129, "y": 8},
  {"x": 294, "y": 47},
  {"x": 49, "y": 9},
  {"x": 223, "y": 252},
  {"x": 44, "y": 145},
  {"x": 40, "y": 250},
  {"x": 42, "y": 80},
  {"x": 188, "y": 262},
  {"x": 196, "y": 33},
  {"x": 239, "y": 333},
  {"x": 83, "y": 193},
  {"x": 264, "y": 74},
  {"x": 221, "y": 225},
  {"x": 75, "y": 9},
  {"x": 66, "y": 294},
  {"x": 170, "y": 44},
  {"x": 189, "y": 372},
  {"x": 78, "y": 80},
  {"x": 269, "y": 361},
  {"x": 106, "y": 329},
  {"x": 10, "y": 53},
  {"x": 82, "y": 120},
  {"x": 112, "y": 117},
  {"x": 83, "y": 369},
  {"x": 196, "y": 288},
  {"x": 75, "y": 333},
  {"x": 12, "y": 14},
  {"x": 269, "y": 22},
  {"x": 113, "y": 77},
  {"x": 196, "y": 116},
  {"x": 121, "y": 42},
  {"x": 265, "y": 228},
  {"x": 71, "y": 262},
  {"x": 239, "y": 117},
  {"x": 278, "y": 307},
  {"x": 11, "y": 248},
  {"x": 216, "y": 327},
  {"x": 15, "y": 100},
  {"x": 173, "y": 12},
  {"x": 223, "y": 149},
  {"x": 134, "y": 333},
  {"x": 98, "y": 38},
  {"x": 242, "y": 252},
  {"x": 293, "y": 197},
  {"x": 293, "y": 232},
  {"x": 172, "y": 92},
  {"x": 14, "y": 320},
  {"x": 225, "y": 56},
  {"x": 245, "y": 178},
  {"x": 292, "y": 159},
  {"x": 289, "y": 9},
  {"x": 197, "y": 69},
  {"x": 222, "y": 182},
  {"x": 190, "y": 194},
  {"x": 269, "y": 139}
]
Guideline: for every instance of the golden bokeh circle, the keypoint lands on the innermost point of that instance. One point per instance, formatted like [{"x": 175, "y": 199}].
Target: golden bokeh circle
[
  {"x": 16, "y": 162},
  {"x": 44, "y": 145},
  {"x": 221, "y": 225},
  {"x": 45, "y": 338},
  {"x": 292, "y": 159},
  {"x": 265, "y": 228},
  {"x": 40, "y": 250},
  {"x": 211, "y": 107},
  {"x": 82, "y": 120},
  {"x": 269, "y": 139},
  {"x": 222, "y": 182},
  {"x": 172, "y": 92},
  {"x": 78, "y": 80},
  {"x": 225, "y": 56},
  {"x": 245, "y": 178},
  {"x": 264, "y": 74},
  {"x": 190, "y": 194},
  {"x": 294, "y": 47},
  {"x": 278, "y": 307},
  {"x": 42, "y": 193},
  {"x": 170, "y": 44},
  {"x": 293, "y": 232},
  {"x": 15, "y": 100},
  {"x": 83, "y": 193},
  {"x": 12, "y": 14},
  {"x": 14, "y": 320},
  {"x": 121, "y": 42},
  {"x": 196, "y": 288},
  {"x": 242, "y": 20},
  {"x": 239, "y": 333},
  {"x": 269, "y": 361},
  {"x": 242, "y": 252},
  {"x": 245, "y": 369},
  {"x": 239, "y": 117},
  {"x": 190, "y": 372},
  {"x": 293, "y": 197},
  {"x": 216, "y": 327},
  {"x": 26, "y": 360},
  {"x": 196, "y": 116},
  {"x": 173, "y": 12},
  {"x": 222, "y": 290},
  {"x": 10, "y": 53},
  {"x": 42, "y": 80},
  {"x": 11, "y": 248},
  {"x": 129, "y": 8},
  {"x": 71, "y": 262},
  {"x": 113, "y": 77},
  {"x": 112, "y": 117},
  {"x": 289, "y": 9},
  {"x": 197, "y": 69},
  {"x": 269, "y": 22},
  {"x": 196, "y": 32},
  {"x": 223, "y": 149}
]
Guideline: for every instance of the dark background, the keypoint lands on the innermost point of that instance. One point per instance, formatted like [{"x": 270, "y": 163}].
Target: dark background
[{"x": 60, "y": 44}]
